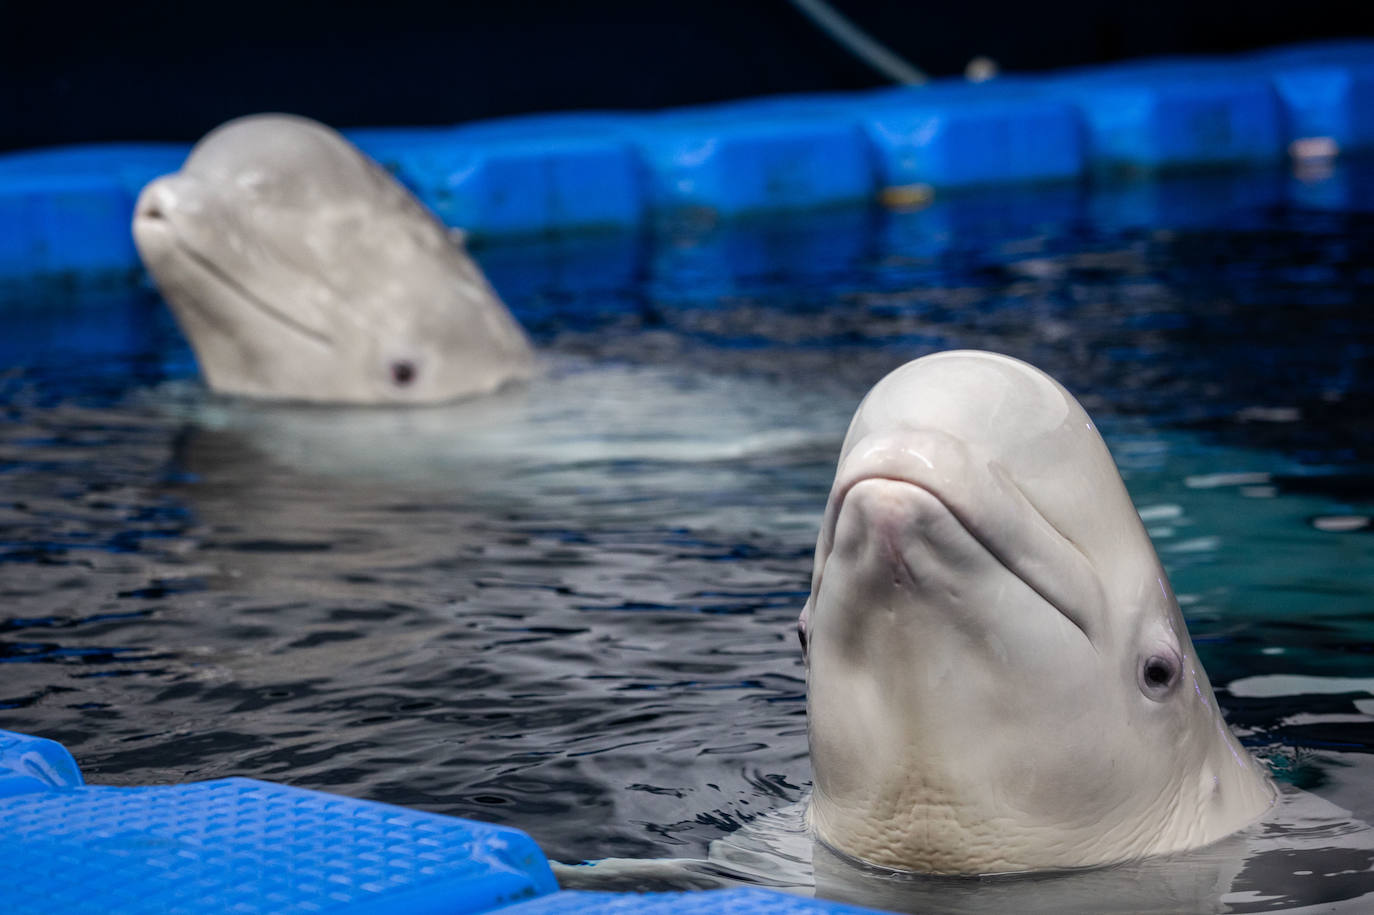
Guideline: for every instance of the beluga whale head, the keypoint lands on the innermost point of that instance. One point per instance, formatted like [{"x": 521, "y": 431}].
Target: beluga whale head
[
  {"x": 999, "y": 677},
  {"x": 300, "y": 270}
]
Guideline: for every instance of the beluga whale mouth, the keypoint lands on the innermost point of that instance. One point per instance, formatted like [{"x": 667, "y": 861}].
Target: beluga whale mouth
[
  {"x": 931, "y": 474},
  {"x": 300, "y": 270},
  {"x": 999, "y": 676}
]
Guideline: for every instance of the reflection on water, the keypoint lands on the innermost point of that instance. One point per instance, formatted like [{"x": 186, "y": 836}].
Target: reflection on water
[{"x": 572, "y": 607}]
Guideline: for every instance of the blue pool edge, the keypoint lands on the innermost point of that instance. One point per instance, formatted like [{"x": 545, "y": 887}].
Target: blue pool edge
[{"x": 67, "y": 210}]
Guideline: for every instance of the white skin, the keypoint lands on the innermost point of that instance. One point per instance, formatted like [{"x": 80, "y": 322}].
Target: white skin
[
  {"x": 300, "y": 270},
  {"x": 999, "y": 677}
]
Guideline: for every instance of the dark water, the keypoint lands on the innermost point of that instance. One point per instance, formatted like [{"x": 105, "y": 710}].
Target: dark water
[{"x": 572, "y": 608}]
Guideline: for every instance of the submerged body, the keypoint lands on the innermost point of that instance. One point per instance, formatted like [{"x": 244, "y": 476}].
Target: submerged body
[{"x": 300, "y": 270}]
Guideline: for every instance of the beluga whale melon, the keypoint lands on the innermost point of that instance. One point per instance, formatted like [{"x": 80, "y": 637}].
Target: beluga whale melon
[{"x": 300, "y": 270}]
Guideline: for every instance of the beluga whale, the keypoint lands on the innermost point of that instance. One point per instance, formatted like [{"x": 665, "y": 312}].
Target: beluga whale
[
  {"x": 999, "y": 677},
  {"x": 1005, "y": 710},
  {"x": 301, "y": 270}
]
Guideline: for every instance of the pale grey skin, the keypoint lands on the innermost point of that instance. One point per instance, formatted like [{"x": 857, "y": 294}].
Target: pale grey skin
[
  {"x": 999, "y": 677},
  {"x": 300, "y": 270}
]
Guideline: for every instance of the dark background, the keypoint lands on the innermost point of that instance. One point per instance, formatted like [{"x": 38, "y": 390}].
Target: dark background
[{"x": 163, "y": 71}]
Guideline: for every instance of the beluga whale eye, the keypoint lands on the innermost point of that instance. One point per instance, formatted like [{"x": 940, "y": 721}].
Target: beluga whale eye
[
  {"x": 403, "y": 372},
  {"x": 1159, "y": 673}
]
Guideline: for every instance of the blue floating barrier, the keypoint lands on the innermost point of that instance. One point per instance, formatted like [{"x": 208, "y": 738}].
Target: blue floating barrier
[
  {"x": 68, "y": 209},
  {"x": 947, "y": 134},
  {"x": 732, "y": 163},
  {"x": 1161, "y": 116},
  {"x": 64, "y": 224},
  {"x": 1329, "y": 102},
  {"x": 481, "y": 189},
  {"x": 520, "y": 176},
  {"x": 746, "y": 901},
  {"x": 1327, "y": 91},
  {"x": 961, "y": 135}
]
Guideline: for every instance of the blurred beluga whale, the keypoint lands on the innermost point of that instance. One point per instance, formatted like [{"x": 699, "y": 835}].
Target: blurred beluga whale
[
  {"x": 1005, "y": 709},
  {"x": 300, "y": 270}
]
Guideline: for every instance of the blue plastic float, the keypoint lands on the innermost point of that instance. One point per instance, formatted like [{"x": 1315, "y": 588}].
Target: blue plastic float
[
  {"x": 68, "y": 210},
  {"x": 243, "y": 846}
]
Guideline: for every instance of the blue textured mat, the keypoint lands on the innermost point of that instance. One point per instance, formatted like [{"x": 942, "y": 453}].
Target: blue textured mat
[
  {"x": 245, "y": 846},
  {"x": 239, "y": 845},
  {"x": 68, "y": 210}
]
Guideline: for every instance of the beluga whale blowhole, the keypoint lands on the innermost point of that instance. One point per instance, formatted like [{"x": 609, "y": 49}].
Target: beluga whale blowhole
[
  {"x": 999, "y": 677},
  {"x": 300, "y": 270}
]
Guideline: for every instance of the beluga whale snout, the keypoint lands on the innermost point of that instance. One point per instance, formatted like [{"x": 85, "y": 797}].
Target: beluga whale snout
[
  {"x": 999, "y": 676},
  {"x": 300, "y": 270}
]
